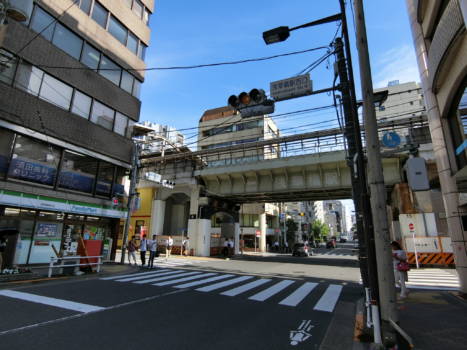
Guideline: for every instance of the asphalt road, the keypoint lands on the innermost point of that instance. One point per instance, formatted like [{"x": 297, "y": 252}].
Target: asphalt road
[{"x": 205, "y": 305}]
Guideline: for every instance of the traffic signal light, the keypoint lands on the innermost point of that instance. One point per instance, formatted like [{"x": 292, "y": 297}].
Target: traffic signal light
[{"x": 252, "y": 104}]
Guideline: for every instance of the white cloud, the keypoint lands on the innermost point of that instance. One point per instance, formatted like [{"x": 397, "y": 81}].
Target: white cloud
[{"x": 398, "y": 63}]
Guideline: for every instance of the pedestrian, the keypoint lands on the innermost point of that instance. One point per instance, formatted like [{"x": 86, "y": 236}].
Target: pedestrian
[
  {"x": 286, "y": 246},
  {"x": 186, "y": 246},
  {"x": 168, "y": 247},
  {"x": 132, "y": 247},
  {"x": 276, "y": 246},
  {"x": 152, "y": 247},
  {"x": 230, "y": 246},
  {"x": 225, "y": 249},
  {"x": 401, "y": 266},
  {"x": 143, "y": 247},
  {"x": 2, "y": 249}
]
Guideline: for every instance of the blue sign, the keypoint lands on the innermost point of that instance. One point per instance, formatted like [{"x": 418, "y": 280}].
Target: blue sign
[
  {"x": 30, "y": 171},
  {"x": 77, "y": 181},
  {"x": 391, "y": 139}
]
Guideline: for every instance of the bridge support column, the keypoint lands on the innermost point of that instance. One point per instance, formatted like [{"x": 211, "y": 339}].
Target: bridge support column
[
  {"x": 157, "y": 217},
  {"x": 199, "y": 231},
  {"x": 237, "y": 238},
  {"x": 263, "y": 229}
]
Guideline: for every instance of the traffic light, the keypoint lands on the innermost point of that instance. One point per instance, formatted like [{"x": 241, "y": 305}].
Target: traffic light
[
  {"x": 252, "y": 104},
  {"x": 168, "y": 184}
]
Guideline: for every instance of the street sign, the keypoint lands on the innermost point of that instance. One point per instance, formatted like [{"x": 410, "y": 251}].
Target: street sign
[
  {"x": 294, "y": 87},
  {"x": 282, "y": 216},
  {"x": 152, "y": 176},
  {"x": 391, "y": 139},
  {"x": 277, "y": 230},
  {"x": 258, "y": 233},
  {"x": 411, "y": 227}
]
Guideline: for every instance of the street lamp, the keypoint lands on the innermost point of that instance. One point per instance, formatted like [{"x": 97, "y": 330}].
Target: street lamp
[{"x": 18, "y": 10}]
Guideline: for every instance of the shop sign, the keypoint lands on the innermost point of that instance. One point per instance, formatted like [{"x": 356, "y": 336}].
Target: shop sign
[
  {"x": 46, "y": 230},
  {"x": 22, "y": 168},
  {"x": 423, "y": 244}
]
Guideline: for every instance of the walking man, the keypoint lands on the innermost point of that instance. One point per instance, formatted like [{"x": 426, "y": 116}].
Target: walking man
[
  {"x": 143, "y": 246},
  {"x": 168, "y": 247},
  {"x": 186, "y": 246},
  {"x": 132, "y": 250},
  {"x": 152, "y": 247}
]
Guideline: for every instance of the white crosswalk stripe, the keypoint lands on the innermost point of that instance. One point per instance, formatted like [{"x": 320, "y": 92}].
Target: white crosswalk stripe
[
  {"x": 212, "y": 281},
  {"x": 433, "y": 279}
]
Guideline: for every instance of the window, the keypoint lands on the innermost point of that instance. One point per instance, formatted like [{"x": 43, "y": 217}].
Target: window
[
  {"x": 142, "y": 51},
  {"x": 121, "y": 122},
  {"x": 128, "y": 3},
  {"x": 28, "y": 78},
  {"x": 56, "y": 92},
  {"x": 250, "y": 220},
  {"x": 132, "y": 43},
  {"x": 138, "y": 8},
  {"x": 119, "y": 188},
  {"x": 41, "y": 20},
  {"x": 102, "y": 115},
  {"x": 81, "y": 104},
  {"x": 34, "y": 161},
  {"x": 6, "y": 141},
  {"x": 127, "y": 81},
  {"x": 100, "y": 14},
  {"x": 90, "y": 56},
  {"x": 137, "y": 88},
  {"x": 118, "y": 30},
  {"x": 78, "y": 172},
  {"x": 104, "y": 179},
  {"x": 146, "y": 16},
  {"x": 457, "y": 120},
  {"x": 67, "y": 41},
  {"x": 85, "y": 5},
  {"x": 8, "y": 64},
  {"x": 109, "y": 70},
  {"x": 129, "y": 128}
]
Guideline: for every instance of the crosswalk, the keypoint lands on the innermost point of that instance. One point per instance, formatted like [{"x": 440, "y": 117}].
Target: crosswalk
[
  {"x": 285, "y": 292},
  {"x": 433, "y": 279}
]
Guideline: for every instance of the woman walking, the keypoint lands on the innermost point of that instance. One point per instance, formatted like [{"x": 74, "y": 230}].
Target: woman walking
[{"x": 401, "y": 266}]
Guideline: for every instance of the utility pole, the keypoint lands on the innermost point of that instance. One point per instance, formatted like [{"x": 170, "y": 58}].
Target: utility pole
[
  {"x": 387, "y": 295},
  {"x": 131, "y": 195}
]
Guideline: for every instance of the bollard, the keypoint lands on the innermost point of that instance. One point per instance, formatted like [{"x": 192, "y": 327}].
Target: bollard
[
  {"x": 51, "y": 264},
  {"x": 98, "y": 264}
]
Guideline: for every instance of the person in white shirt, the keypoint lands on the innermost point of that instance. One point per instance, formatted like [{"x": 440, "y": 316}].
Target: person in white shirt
[
  {"x": 152, "y": 247},
  {"x": 143, "y": 246},
  {"x": 230, "y": 245},
  {"x": 168, "y": 247},
  {"x": 399, "y": 260},
  {"x": 225, "y": 250},
  {"x": 186, "y": 246}
]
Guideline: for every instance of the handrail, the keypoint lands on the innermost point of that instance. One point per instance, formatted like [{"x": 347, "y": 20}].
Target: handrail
[{"x": 53, "y": 260}]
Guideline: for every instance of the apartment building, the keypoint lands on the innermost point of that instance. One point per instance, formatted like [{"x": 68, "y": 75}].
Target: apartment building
[
  {"x": 159, "y": 137},
  {"x": 70, "y": 83}
]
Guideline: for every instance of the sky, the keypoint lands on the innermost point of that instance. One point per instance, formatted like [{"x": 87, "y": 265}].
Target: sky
[{"x": 211, "y": 31}]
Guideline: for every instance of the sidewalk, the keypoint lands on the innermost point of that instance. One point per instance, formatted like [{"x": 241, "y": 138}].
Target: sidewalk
[{"x": 434, "y": 319}]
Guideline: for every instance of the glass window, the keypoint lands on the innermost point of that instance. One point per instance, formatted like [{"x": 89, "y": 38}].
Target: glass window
[
  {"x": 138, "y": 8},
  {"x": 41, "y": 20},
  {"x": 118, "y": 30},
  {"x": 78, "y": 172},
  {"x": 102, "y": 115},
  {"x": 67, "y": 41},
  {"x": 129, "y": 128},
  {"x": 127, "y": 81},
  {"x": 28, "y": 78},
  {"x": 105, "y": 179},
  {"x": 142, "y": 51},
  {"x": 56, "y": 92},
  {"x": 119, "y": 185},
  {"x": 132, "y": 43},
  {"x": 47, "y": 238},
  {"x": 109, "y": 70},
  {"x": 6, "y": 141},
  {"x": 121, "y": 122},
  {"x": 100, "y": 14},
  {"x": 85, "y": 5},
  {"x": 457, "y": 120},
  {"x": 34, "y": 161},
  {"x": 8, "y": 64},
  {"x": 90, "y": 56},
  {"x": 146, "y": 16},
  {"x": 137, "y": 88},
  {"x": 81, "y": 104}
]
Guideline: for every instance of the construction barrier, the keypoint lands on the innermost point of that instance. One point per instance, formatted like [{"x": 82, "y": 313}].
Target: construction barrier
[{"x": 437, "y": 259}]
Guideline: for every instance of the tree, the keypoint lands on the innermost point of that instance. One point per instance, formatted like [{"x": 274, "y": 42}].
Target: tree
[
  {"x": 292, "y": 227},
  {"x": 319, "y": 230}
]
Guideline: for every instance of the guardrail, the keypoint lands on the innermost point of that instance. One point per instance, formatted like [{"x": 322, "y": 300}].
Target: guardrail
[{"x": 54, "y": 260}]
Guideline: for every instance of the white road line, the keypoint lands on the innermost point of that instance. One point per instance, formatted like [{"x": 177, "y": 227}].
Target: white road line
[
  {"x": 220, "y": 285},
  {"x": 296, "y": 297},
  {"x": 246, "y": 287},
  {"x": 207, "y": 280},
  {"x": 60, "y": 303},
  {"x": 328, "y": 300},
  {"x": 179, "y": 280},
  {"x": 164, "y": 278},
  {"x": 154, "y": 274},
  {"x": 265, "y": 294},
  {"x": 130, "y": 275}
]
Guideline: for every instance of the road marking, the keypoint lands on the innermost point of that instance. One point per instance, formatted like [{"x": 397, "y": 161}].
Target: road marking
[
  {"x": 301, "y": 334},
  {"x": 245, "y": 287},
  {"x": 157, "y": 274},
  {"x": 60, "y": 303},
  {"x": 190, "y": 278},
  {"x": 328, "y": 300},
  {"x": 224, "y": 284},
  {"x": 296, "y": 297},
  {"x": 265, "y": 294},
  {"x": 133, "y": 274},
  {"x": 164, "y": 278},
  {"x": 207, "y": 280}
]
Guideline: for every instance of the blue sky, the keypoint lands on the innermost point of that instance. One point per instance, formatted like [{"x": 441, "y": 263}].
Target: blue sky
[{"x": 208, "y": 31}]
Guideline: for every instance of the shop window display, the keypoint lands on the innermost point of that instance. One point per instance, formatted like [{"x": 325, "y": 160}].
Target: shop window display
[
  {"x": 6, "y": 142},
  {"x": 78, "y": 172}
]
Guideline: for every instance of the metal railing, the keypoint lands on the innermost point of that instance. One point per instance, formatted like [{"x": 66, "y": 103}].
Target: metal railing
[{"x": 54, "y": 260}]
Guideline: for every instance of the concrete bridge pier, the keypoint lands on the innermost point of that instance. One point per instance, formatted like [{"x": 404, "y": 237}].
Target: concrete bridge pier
[{"x": 263, "y": 229}]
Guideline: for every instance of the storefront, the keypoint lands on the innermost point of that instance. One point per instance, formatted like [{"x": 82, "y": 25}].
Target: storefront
[{"x": 37, "y": 228}]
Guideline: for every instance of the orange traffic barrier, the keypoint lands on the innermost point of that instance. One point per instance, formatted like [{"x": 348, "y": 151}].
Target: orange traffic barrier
[{"x": 431, "y": 258}]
